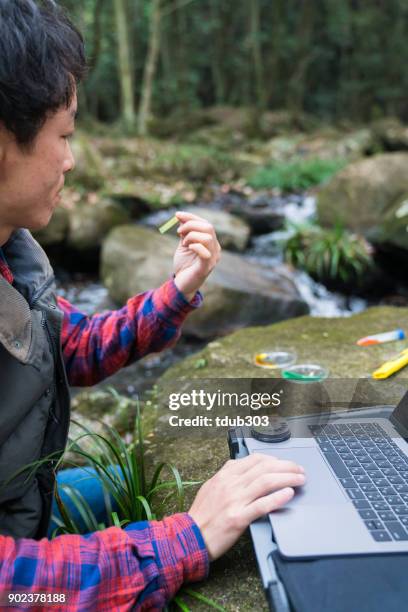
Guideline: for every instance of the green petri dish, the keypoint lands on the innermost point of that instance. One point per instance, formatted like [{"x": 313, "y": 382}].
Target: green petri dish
[{"x": 305, "y": 373}]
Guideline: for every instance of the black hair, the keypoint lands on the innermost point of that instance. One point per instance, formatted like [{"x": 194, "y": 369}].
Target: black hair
[{"x": 42, "y": 58}]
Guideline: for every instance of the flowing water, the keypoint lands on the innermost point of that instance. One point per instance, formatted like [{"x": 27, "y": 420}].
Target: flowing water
[{"x": 91, "y": 296}]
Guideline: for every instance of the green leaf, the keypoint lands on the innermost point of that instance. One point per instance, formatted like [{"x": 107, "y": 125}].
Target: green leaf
[{"x": 210, "y": 602}]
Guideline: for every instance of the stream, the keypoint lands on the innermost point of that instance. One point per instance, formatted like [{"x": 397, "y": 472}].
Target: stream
[{"x": 90, "y": 296}]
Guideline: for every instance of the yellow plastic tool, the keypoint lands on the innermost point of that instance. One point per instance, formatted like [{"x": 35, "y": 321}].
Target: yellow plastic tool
[{"x": 390, "y": 367}]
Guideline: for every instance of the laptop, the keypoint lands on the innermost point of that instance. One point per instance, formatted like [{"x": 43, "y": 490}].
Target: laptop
[{"x": 355, "y": 500}]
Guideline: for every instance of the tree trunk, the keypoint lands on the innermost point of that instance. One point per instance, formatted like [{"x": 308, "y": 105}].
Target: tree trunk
[
  {"x": 216, "y": 53},
  {"x": 150, "y": 68},
  {"x": 276, "y": 34},
  {"x": 254, "y": 24},
  {"x": 304, "y": 56},
  {"x": 125, "y": 70}
]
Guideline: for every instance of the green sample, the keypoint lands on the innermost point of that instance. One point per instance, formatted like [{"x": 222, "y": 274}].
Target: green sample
[
  {"x": 305, "y": 373},
  {"x": 168, "y": 225}
]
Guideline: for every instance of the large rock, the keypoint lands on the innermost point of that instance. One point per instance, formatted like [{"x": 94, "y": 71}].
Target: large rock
[
  {"x": 82, "y": 223},
  {"x": 90, "y": 171},
  {"x": 327, "y": 143},
  {"x": 234, "y": 580},
  {"x": 330, "y": 343},
  {"x": 141, "y": 196},
  {"x": 90, "y": 221},
  {"x": 391, "y": 134},
  {"x": 170, "y": 161},
  {"x": 349, "y": 145},
  {"x": 263, "y": 213},
  {"x": 394, "y": 227},
  {"x": 360, "y": 195},
  {"x": 237, "y": 293}
]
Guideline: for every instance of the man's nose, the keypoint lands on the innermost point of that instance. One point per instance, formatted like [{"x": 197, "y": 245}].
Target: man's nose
[{"x": 69, "y": 162}]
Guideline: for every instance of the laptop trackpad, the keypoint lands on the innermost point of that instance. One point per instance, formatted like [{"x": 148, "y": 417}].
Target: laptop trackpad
[{"x": 321, "y": 487}]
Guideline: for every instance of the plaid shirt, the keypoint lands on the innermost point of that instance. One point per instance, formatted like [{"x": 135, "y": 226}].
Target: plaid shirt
[
  {"x": 142, "y": 566},
  {"x": 96, "y": 347}
]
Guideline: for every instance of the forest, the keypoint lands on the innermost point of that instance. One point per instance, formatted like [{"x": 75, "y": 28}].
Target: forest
[{"x": 335, "y": 59}]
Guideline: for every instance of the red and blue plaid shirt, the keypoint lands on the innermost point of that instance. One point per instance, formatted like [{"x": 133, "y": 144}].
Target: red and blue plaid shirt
[{"x": 142, "y": 566}]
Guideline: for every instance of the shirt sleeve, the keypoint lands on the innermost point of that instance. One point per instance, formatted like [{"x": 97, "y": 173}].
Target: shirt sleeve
[
  {"x": 138, "y": 568},
  {"x": 96, "y": 347}
]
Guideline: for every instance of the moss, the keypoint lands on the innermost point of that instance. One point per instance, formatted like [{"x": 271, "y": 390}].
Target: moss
[
  {"x": 331, "y": 341},
  {"x": 297, "y": 175},
  {"x": 234, "y": 580},
  {"x": 197, "y": 162}
]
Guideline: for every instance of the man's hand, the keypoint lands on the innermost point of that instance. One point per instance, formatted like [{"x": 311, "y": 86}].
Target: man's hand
[
  {"x": 197, "y": 253},
  {"x": 242, "y": 491}
]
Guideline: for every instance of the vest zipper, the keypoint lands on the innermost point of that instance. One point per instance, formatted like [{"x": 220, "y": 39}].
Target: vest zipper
[{"x": 45, "y": 325}]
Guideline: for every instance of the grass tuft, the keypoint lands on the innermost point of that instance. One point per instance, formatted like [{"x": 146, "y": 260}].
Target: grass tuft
[
  {"x": 334, "y": 254},
  {"x": 296, "y": 176}
]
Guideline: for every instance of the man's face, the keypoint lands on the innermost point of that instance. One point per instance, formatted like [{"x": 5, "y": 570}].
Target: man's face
[{"x": 31, "y": 181}]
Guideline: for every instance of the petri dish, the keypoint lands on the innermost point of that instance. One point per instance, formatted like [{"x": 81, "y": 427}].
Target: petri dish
[
  {"x": 305, "y": 373},
  {"x": 275, "y": 359}
]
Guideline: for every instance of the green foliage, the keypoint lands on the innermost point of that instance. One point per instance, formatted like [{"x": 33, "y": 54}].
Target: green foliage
[
  {"x": 334, "y": 254},
  {"x": 200, "y": 363},
  {"x": 333, "y": 59},
  {"x": 179, "y": 603},
  {"x": 121, "y": 468},
  {"x": 297, "y": 175}
]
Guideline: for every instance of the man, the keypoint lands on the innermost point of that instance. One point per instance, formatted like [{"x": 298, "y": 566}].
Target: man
[{"x": 46, "y": 344}]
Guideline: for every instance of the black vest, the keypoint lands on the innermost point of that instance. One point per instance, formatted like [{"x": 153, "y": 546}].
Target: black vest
[{"x": 34, "y": 394}]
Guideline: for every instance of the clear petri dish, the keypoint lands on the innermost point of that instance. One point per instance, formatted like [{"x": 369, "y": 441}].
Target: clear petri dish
[
  {"x": 275, "y": 359},
  {"x": 305, "y": 373}
]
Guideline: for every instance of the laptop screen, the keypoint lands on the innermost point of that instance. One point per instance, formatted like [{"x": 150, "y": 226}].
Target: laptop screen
[{"x": 399, "y": 417}]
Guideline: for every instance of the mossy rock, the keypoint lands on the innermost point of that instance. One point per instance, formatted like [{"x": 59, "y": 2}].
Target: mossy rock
[
  {"x": 142, "y": 195},
  {"x": 328, "y": 143},
  {"x": 330, "y": 342},
  {"x": 394, "y": 227},
  {"x": 90, "y": 221},
  {"x": 234, "y": 580},
  {"x": 90, "y": 171},
  {"x": 196, "y": 163},
  {"x": 150, "y": 158},
  {"x": 391, "y": 134},
  {"x": 360, "y": 196}
]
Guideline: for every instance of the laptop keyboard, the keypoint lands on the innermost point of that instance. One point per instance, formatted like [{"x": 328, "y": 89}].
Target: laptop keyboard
[{"x": 374, "y": 473}]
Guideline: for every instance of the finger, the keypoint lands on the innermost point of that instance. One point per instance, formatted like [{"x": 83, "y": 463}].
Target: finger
[
  {"x": 205, "y": 239},
  {"x": 200, "y": 250},
  {"x": 241, "y": 466},
  {"x": 272, "y": 466},
  {"x": 259, "y": 463},
  {"x": 267, "y": 483},
  {"x": 199, "y": 226},
  {"x": 268, "y": 503},
  {"x": 187, "y": 216}
]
